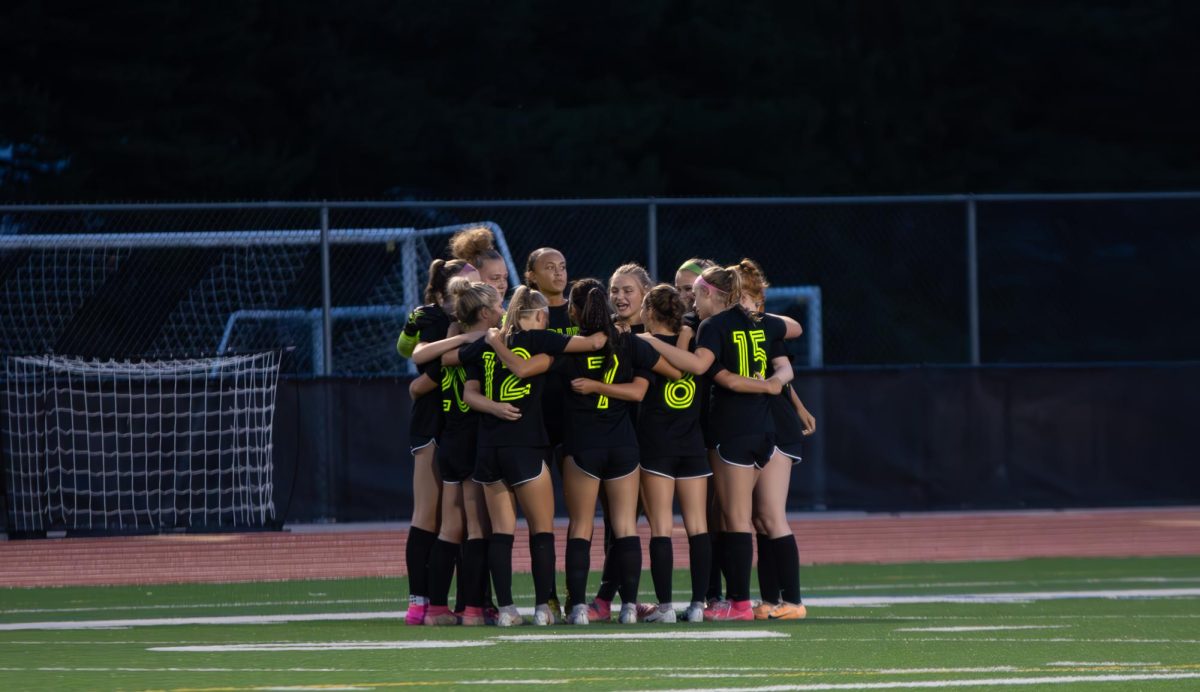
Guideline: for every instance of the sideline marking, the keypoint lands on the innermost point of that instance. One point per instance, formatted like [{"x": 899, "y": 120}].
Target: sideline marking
[
  {"x": 829, "y": 602},
  {"x": 982, "y": 628},
  {"x": 327, "y": 646},
  {"x": 985, "y": 682}
]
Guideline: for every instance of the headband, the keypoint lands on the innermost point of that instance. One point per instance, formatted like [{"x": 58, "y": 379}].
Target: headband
[
  {"x": 701, "y": 282},
  {"x": 468, "y": 267},
  {"x": 693, "y": 268}
]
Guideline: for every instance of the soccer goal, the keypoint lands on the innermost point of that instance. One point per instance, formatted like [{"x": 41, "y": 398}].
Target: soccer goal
[{"x": 123, "y": 446}]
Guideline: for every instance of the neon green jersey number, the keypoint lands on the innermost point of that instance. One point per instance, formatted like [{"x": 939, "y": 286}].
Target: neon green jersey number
[
  {"x": 597, "y": 362},
  {"x": 447, "y": 385},
  {"x": 749, "y": 346},
  {"x": 453, "y": 379},
  {"x": 511, "y": 389},
  {"x": 679, "y": 394}
]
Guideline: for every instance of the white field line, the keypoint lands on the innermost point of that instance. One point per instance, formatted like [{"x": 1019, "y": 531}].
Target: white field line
[
  {"x": 177, "y": 669},
  {"x": 827, "y": 602},
  {"x": 1105, "y": 664},
  {"x": 716, "y": 635},
  {"x": 328, "y": 646},
  {"x": 982, "y": 628},
  {"x": 977, "y": 682},
  {"x": 197, "y": 606}
]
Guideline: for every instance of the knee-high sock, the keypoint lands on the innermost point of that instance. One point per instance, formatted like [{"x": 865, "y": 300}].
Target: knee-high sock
[
  {"x": 500, "y": 565},
  {"x": 416, "y": 557},
  {"x": 787, "y": 565},
  {"x": 441, "y": 570},
  {"x": 715, "y": 567},
  {"x": 474, "y": 571},
  {"x": 541, "y": 554},
  {"x": 629, "y": 555},
  {"x": 739, "y": 553},
  {"x": 768, "y": 575},
  {"x": 610, "y": 579},
  {"x": 662, "y": 565},
  {"x": 579, "y": 558},
  {"x": 700, "y": 555},
  {"x": 460, "y": 593}
]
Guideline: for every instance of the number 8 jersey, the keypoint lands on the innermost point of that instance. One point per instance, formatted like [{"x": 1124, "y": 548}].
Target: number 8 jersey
[
  {"x": 740, "y": 344},
  {"x": 499, "y": 384}
]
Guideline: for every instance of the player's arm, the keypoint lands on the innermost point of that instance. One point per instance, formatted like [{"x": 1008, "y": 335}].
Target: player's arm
[
  {"x": 478, "y": 402},
  {"x": 428, "y": 351},
  {"x": 686, "y": 334},
  {"x": 517, "y": 365},
  {"x": 809, "y": 421},
  {"x": 746, "y": 385},
  {"x": 696, "y": 363},
  {"x": 662, "y": 367},
  {"x": 793, "y": 331},
  {"x": 421, "y": 386},
  {"x": 586, "y": 344},
  {"x": 411, "y": 334},
  {"x": 783, "y": 369},
  {"x": 627, "y": 391}
]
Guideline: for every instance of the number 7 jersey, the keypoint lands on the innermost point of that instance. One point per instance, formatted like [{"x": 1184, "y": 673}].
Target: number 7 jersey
[{"x": 499, "y": 384}]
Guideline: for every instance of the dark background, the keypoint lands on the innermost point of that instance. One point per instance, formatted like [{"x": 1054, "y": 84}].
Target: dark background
[{"x": 301, "y": 99}]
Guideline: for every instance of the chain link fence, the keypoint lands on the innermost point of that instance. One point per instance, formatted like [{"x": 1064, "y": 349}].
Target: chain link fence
[{"x": 901, "y": 280}]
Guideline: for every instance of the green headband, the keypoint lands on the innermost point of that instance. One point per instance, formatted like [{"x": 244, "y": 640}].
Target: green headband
[{"x": 692, "y": 267}]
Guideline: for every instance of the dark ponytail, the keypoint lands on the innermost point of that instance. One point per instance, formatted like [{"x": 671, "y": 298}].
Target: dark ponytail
[
  {"x": 666, "y": 305},
  {"x": 440, "y": 273}
]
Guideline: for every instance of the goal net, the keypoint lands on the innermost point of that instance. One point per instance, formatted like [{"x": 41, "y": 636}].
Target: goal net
[{"x": 122, "y": 446}]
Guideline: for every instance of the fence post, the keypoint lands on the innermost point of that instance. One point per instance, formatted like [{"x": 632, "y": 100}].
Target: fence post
[
  {"x": 652, "y": 241},
  {"x": 972, "y": 280},
  {"x": 326, "y": 298}
]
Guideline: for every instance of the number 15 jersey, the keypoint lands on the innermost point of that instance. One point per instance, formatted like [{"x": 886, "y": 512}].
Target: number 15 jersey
[{"x": 740, "y": 344}]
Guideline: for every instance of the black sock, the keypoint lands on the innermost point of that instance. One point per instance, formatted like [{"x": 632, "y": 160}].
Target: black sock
[
  {"x": 610, "y": 578},
  {"x": 787, "y": 565},
  {"x": 460, "y": 594},
  {"x": 700, "y": 555},
  {"x": 662, "y": 565},
  {"x": 739, "y": 553},
  {"x": 500, "y": 549},
  {"x": 716, "y": 554},
  {"x": 629, "y": 556},
  {"x": 541, "y": 555},
  {"x": 579, "y": 559},
  {"x": 441, "y": 570},
  {"x": 416, "y": 558},
  {"x": 768, "y": 575},
  {"x": 474, "y": 571}
]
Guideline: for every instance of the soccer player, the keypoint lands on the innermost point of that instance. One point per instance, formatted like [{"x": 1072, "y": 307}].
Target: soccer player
[
  {"x": 428, "y": 323},
  {"x": 601, "y": 447},
  {"x": 626, "y": 289},
  {"x": 733, "y": 340},
  {"x": 685, "y": 277},
  {"x": 778, "y": 558},
  {"x": 478, "y": 246},
  {"x": 477, "y": 306},
  {"x": 505, "y": 376}
]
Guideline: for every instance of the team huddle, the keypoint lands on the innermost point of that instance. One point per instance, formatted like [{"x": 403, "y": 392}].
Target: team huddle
[{"x": 639, "y": 394}]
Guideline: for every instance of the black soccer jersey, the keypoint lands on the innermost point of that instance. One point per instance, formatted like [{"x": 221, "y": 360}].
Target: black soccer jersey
[
  {"x": 457, "y": 417},
  {"x": 668, "y": 423},
  {"x": 499, "y": 384},
  {"x": 560, "y": 320},
  {"x": 556, "y": 389},
  {"x": 594, "y": 420},
  {"x": 740, "y": 344},
  {"x": 426, "y": 418},
  {"x": 789, "y": 429},
  {"x": 691, "y": 319}
]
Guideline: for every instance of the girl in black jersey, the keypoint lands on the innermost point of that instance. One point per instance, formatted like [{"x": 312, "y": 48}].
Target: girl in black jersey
[
  {"x": 601, "y": 446},
  {"x": 426, "y": 324},
  {"x": 732, "y": 341},
  {"x": 477, "y": 307},
  {"x": 626, "y": 290},
  {"x": 685, "y": 277},
  {"x": 778, "y": 558},
  {"x": 478, "y": 246},
  {"x": 504, "y": 384},
  {"x": 673, "y": 463},
  {"x": 546, "y": 272}
]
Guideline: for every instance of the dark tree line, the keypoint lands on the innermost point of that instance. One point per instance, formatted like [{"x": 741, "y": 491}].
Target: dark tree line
[{"x": 253, "y": 99}]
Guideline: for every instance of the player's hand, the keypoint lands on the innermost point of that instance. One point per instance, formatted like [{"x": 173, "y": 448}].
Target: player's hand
[
  {"x": 582, "y": 385},
  {"x": 506, "y": 412},
  {"x": 493, "y": 337},
  {"x": 685, "y": 336},
  {"x": 598, "y": 340},
  {"x": 774, "y": 386},
  {"x": 810, "y": 423}
]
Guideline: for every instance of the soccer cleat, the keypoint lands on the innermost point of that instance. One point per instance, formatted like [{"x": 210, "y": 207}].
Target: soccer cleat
[
  {"x": 726, "y": 611},
  {"x": 555, "y": 609},
  {"x": 439, "y": 616},
  {"x": 695, "y": 612},
  {"x": 788, "y": 611},
  {"x": 416, "y": 611},
  {"x": 762, "y": 609},
  {"x": 543, "y": 615},
  {"x": 473, "y": 617},
  {"x": 600, "y": 610},
  {"x": 629, "y": 614},
  {"x": 579, "y": 615},
  {"x": 490, "y": 614},
  {"x": 509, "y": 617},
  {"x": 645, "y": 610},
  {"x": 661, "y": 613}
]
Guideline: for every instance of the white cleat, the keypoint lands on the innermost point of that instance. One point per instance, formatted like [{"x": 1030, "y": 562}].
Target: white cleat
[
  {"x": 663, "y": 613},
  {"x": 695, "y": 612},
  {"x": 509, "y": 617},
  {"x": 543, "y": 615},
  {"x": 579, "y": 615},
  {"x": 629, "y": 614}
]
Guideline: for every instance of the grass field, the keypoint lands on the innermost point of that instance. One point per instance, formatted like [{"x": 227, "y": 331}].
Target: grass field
[{"x": 1074, "y": 624}]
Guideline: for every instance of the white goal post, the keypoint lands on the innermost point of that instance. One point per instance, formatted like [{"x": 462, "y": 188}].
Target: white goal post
[{"x": 124, "y": 446}]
